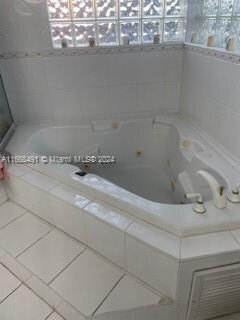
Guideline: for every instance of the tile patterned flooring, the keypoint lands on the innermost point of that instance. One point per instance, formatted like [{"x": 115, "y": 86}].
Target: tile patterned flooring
[{"x": 45, "y": 274}]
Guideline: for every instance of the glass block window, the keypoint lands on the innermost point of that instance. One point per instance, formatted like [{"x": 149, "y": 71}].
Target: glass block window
[
  {"x": 220, "y": 18},
  {"x": 74, "y": 23}
]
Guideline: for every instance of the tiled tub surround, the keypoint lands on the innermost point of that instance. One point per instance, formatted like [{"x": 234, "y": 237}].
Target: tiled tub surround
[
  {"x": 78, "y": 86},
  {"x": 162, "y": 261},
  {"x": 107, "y": 230},
  {"x": 210, "y": 96},
  {"x": 199, "y": 155}
]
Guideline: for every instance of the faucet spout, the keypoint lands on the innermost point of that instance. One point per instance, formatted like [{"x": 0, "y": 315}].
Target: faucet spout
[{"x": 219, "y": 197}]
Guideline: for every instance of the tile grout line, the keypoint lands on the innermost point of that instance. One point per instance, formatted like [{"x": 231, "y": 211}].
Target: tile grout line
[
  {"x": 125, "y": 271},
  {"x": 35, "y": 242},
  {"x": 12, "y": 291},
  {"x": 134, "y": 220},
  {"x": 72, "y": 261},
  {"x": 16, "y": 218},
  {"x": 23, "y": 283},
  {"x": 52, "y": 313},
  {"x": 107, "y": 295},
  {"x": 49, "y": 315},
  {"x": 86, "y": 247}
]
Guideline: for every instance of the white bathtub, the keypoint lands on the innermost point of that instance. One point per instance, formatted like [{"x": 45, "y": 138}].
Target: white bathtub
[{"x": 156, "y": 164}]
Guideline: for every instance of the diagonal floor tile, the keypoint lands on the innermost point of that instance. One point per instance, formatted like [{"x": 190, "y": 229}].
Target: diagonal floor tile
[
  {"x": 128, "y": 294},
  {"x": 50, "y": 255},
  {"x": 86, "y": 282},
  {"x": 25, "y": 305},
  {"x": 8, "y": 283},
  {"x": 54, "y": 316},
  {"x": 8, "y": 212},
  {"x": 22, "y": 233}
]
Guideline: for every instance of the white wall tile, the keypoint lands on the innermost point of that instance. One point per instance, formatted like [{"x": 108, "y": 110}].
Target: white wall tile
[
  {"x": 72, "y": 88},
  {"x": 105, "y": 228},
  {"x": 155, "y": 238},
  {"x": 152, "y": 267},
  {"x": 160, "y": 66},
  {"x": 70, "y": 195},
  {"x": 124, "y": 68},
  {"x": 24, "y": 26},
  {"x": 32, "y": 198},
  {"x": 210, "y": 94},
  {"x": 32, "y": 107},
  {"x": 26, "y": 74},
  {"x": 70, "y": 219},
  {"x": 208, "y": 244},
  {"x": 106, "y": 240},
  {"x": 40, "y": 180}
]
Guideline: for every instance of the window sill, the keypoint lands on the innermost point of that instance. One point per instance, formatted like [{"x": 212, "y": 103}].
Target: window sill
[{"x": 219, "y": 53}]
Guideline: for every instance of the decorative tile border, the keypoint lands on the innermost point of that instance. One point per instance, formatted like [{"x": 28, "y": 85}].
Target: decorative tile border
[
  {"x": 212, "y": 52},
  {"x": 92, "y": 51},
  {"x": 218, "y": 53}
]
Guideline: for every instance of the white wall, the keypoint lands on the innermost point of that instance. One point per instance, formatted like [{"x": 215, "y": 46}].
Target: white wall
[
  {"x": 75, "y": 88},
  {"x": 89, "y": 86},
  {"x": 23, "y": 26},
  {"x": 210, "y": 97}
]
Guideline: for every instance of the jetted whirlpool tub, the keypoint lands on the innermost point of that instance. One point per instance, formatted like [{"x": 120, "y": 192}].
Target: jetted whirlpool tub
[{"x": 155, "y": 165}]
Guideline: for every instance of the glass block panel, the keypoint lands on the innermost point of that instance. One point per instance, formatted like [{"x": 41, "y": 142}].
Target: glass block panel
[
  {"x": 129, "y": 8},
  {"x": 61, "y": 32},
  {"x": 210, "y": 7},
  {"x": 131, "y": 29},
  {"x": 226, "y": 7},
  {"x": 236, "y": 10},
  {"x": 107, "y": 33},
  {"x": 236, "y": 31},
  {"x": 150, "y": 28},
  {"x": 208, "y": 28},
  {"x": 58, "y": 9},
  {"x": 174, "y": 29},
  {"x": 106, "y": 8},
  {"x": 152, "y": 8},
  {"x": 173, "y": 7},
  {"x": 82, "y": 9},
  {"x": 82, "y": 33},
  {"x": 223, "y": 31}
]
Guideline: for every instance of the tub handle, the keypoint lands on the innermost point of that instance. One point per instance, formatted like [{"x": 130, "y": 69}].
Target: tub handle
[
  {"x": 199, "y": 206},
  {"x": 234, "y": 196}
]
